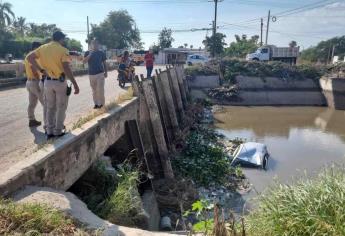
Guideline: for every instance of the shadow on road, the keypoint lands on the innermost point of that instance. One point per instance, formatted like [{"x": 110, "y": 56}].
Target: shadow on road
[{"x": 40, "y": 137}]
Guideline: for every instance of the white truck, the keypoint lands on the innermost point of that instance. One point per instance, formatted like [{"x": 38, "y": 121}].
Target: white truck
[{"x": 273, "y": 53}]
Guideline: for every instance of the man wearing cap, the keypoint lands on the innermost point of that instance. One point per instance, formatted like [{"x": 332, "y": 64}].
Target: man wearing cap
[
  {"x": 54, "y": 64},
  {"x": 34, "y": 88},
  {"x": 96, "y": 60}
]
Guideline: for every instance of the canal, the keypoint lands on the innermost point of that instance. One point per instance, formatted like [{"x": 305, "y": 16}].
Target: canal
[{"x": 300, "y": 140}]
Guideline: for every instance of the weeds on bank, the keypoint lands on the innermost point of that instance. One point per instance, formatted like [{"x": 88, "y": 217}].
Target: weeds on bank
[
  {"x": 124, "y": 207},
  {"x": 121, "y": 98},
  {"x": 95, "y": 186},
  {"x": 204, "y": 159},
  {"x": 34, "y": 219},
  {"x": 309, "y": 207},
  {"x": 211, "y": 221}
]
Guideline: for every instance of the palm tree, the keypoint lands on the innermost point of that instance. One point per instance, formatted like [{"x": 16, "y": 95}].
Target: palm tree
[
  {"x": 6, "y": 14},
  {"x": 21, "y": 26},
  {"x": 185, "y": 45}
]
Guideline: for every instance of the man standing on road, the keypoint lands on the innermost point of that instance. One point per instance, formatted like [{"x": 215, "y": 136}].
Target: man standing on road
[
  {"x": 34, "y": 89},
  {"x": 149, "y": 59},
  {"x": 54, "y": 64},
  {"x": 96, "y": 60}
]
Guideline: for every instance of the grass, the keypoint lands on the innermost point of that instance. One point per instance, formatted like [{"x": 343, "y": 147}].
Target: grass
[
  {"x": 34, "y": 219},
  {"x": 309, "y": 207},
  {"x": 95, "y": 186},
  {"x": 120, "y": 99},
  {"x": 124, "y": 207}
]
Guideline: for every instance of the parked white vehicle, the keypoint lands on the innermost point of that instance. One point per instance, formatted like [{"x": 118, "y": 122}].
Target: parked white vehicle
[
  {"x": 273, "y": 53},
  {"x": 196, "y": 59}
]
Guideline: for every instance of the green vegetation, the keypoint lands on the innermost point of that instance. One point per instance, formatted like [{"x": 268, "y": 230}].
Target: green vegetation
[
  {"x": 211, "y": 220},
  {"x": 215, "y": 44},
  {"x": 95, "y": 186},
  {"x": 118, "y": 30},
  {"x": 233, "y": 67},
  {"x": 321, "y": 52},
  {"x": 16, "y": 35},
  {"x": 124, "y": 207},
  {"x": 195, "y": 70},
  {"x": 242, "y": 46},
  {"x": 309, "y": 207},
  {"x": 203, "y": 159},
  {"x": 34, "y": 219},
  {"x": 165, "y": 38}
]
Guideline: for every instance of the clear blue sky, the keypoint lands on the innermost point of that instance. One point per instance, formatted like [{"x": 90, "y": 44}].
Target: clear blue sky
[{"x": 307, "y": 27}]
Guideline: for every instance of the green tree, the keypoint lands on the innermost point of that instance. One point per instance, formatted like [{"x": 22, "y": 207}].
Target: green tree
[
  {"x": 242, "y": 46},
  {"x": 20, "y": 26},
  {"x": 322, "y": 50},
  {"x": 6, "y": 14},
  {"x": 42, "y": 31},
  {"x": 117, "y": 31},
  {"x": 155, "y": 48},
  {"x": 293, "y": 44},
  {"x": 215, "y": 44},
  {"x": 74, "y": 45},
  {"x": 165, "y": 38}
]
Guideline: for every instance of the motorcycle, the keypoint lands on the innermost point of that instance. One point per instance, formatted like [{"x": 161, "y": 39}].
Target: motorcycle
[{"x": 125, "y": 74}]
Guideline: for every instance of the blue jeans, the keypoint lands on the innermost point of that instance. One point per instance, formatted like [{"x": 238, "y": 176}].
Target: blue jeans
[{"x": 149, "y": 71}]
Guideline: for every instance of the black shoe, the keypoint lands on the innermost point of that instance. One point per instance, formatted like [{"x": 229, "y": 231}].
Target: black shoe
[
  {"x": 34, "y": 123},
  {"x": 50, "y": 136},
  {"x": 100, "y": 106},
  {"x": 95, "y": 107},
  {"x": 60, "y": 135}
]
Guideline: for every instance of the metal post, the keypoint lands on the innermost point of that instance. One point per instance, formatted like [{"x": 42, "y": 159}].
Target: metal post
[
  {"x": 262, "y": 26},
  {"x": 268, "y": 26},
  {"x": 88, "y": 30}
]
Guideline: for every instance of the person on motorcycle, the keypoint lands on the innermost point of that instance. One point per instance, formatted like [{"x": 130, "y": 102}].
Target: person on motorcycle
[
  {"x": 126, "y": 70},
  {"x": 126, "y": 64}
]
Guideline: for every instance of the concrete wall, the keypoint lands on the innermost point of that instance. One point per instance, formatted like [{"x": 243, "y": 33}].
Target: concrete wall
[
  {"x": 201, "y": 82},
  {"x": 273, "y": 83},
  {"x": 334, "y": 91}
]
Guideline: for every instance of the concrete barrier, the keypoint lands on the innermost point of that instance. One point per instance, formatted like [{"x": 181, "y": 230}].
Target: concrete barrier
[
  {"x": 201, "y": 82},
  {"x": 274, "y": 83},
  {"x": 334, "y": 91}
]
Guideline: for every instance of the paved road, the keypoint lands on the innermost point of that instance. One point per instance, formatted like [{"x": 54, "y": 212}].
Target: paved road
[{"x": 17, "y": 140}]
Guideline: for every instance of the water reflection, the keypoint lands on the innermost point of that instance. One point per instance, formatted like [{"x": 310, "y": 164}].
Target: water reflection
[{"x": 300, "y": 139}]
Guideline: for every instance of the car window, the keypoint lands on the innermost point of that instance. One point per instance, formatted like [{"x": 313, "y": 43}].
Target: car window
[
  {"x": 264, "y": 50},
  {"x": 197, "y": 57}
]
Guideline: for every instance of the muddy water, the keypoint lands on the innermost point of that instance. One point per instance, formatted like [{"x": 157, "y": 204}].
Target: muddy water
[{"x": 300, "y": 140}]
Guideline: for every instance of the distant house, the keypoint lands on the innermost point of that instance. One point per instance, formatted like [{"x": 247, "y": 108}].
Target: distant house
[{"x": 177, "y": 55}]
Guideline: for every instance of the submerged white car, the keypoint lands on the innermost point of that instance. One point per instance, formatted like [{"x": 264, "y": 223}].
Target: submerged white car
[{"x": 251, "y": 154}]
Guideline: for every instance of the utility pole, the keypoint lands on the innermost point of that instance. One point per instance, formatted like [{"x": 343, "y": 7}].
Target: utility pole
[
  {"x": 215, "y": 21},
  {"x": 268, "y": 26},
  {"x": 88, "y": 30},
  {"x": 262, "y": 27},
  {"x": 333, "y": 49}
]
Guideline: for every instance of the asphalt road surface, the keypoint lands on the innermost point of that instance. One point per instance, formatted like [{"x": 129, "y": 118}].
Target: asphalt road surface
[{"x": 17, "y": 140}]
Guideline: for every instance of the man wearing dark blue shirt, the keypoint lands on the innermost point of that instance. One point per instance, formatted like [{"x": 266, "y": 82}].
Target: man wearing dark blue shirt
[{"x": 96, "y": 60}]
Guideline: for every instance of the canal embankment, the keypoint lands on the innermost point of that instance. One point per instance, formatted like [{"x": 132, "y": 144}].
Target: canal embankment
[{"x": 241, "y": 83}]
